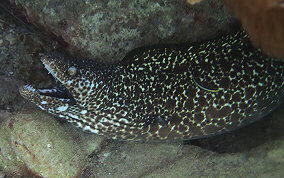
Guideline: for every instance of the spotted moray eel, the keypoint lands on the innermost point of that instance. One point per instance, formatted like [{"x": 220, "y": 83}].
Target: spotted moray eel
[{"x": 165, "y": 92}]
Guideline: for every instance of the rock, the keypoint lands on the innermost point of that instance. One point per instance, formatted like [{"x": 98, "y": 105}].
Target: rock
[
  {"x": 264, "y": 21},
  {"x": 107, "y": 30},
  {"x": 2, "y": 175},
  {"x": 17, "y": 60},
  {"x": 11, "y": 38},
  {"x": 1, "y": 42},
  {"x": 9, "y": 95},
  {"x": 134, "y": 159},
  {"x": 193, "y": 1},
  {"x": 36, "y": 144},
  {"x": 9, "y": 161}
]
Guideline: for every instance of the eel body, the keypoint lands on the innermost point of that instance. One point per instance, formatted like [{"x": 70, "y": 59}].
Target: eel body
[{"x": 169, "y": 92}]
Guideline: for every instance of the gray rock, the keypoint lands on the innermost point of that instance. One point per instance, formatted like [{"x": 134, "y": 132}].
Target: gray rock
[
  {"x": 107, "y": 30},
  {"x": 11, "y": 38},
  {"x": 9, "y": 95}
]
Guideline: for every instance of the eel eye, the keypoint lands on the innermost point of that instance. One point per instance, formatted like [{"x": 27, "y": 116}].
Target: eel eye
[{"x": 72, "y": 71}]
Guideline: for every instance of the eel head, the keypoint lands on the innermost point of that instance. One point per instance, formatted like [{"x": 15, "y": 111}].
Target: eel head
[{"x": 76, "y": 83}]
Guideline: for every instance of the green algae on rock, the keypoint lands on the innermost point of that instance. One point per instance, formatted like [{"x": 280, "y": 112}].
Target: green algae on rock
[
  {"x": 9, "y": 162},
  {"x": 34, "y": 144},
  {"x": 169, "y": 92}
]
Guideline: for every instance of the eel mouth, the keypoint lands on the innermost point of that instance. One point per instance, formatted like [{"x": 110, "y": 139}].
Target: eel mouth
[{"x": 57, "y": 90}]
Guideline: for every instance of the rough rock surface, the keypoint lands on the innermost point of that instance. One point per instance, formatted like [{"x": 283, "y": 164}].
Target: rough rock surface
[
  {"x": 18, "y": 60},
  {"x": 9, "y": 95},
  {"x": 36, "y": 144},
  {"x": 108, "y": 29},
  {"x": 264, "y": 21}
]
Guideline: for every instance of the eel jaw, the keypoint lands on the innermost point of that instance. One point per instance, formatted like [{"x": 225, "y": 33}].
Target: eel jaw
[
  {"x": 51, "y": 100},
  {"x": 56, "y": 66},
  {"x": 57, "y": 98}
]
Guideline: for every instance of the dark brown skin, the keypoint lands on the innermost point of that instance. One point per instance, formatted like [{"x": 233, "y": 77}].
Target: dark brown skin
[{"x": 169, "y": 92}]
